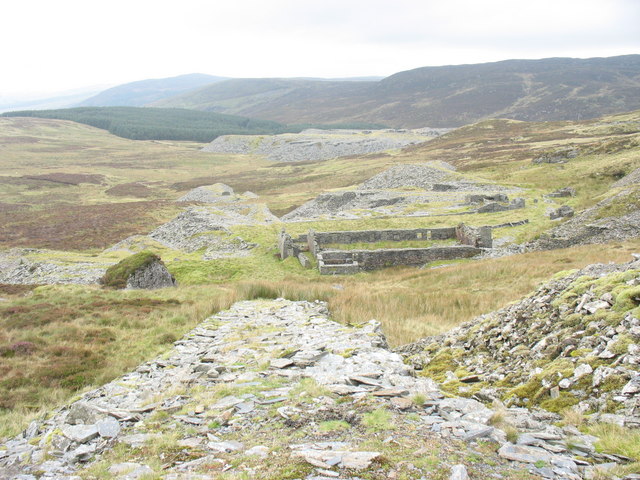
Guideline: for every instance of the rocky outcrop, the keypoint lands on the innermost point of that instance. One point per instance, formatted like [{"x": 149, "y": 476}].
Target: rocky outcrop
[
  {"x": 144, "y": 269},
  {"x": 199, "y": 227},
  {"x": 560, "y": 155},
  {"x": 152, "y": 275},
  {"x": 629, "y": 180},
  {"x": 209, "y": 194},
  {"x": 563, "y": 192},
  {"x": 421, "y": 176},
  {"x": 565, "y": 211},
  {"x": 314, "y": 144},
  {"x": 574, "y": 343},
  {"x": 352, "y": 204}
]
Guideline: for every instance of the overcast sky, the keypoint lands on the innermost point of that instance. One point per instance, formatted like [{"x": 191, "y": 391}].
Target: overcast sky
[{"x": 54, "y": 45}]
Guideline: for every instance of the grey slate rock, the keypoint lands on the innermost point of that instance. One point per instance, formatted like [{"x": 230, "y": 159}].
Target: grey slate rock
[
  {"x": 459, "y": 472},
  {"x": 522, "y": 453},
  {"x": 153, "y": 275},
  {"x": 80, "y": 433},
  {"x": 108, "y": 428}
]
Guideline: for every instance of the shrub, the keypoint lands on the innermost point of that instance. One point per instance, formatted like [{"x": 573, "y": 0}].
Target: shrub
[{"x": 18, "y": 348}]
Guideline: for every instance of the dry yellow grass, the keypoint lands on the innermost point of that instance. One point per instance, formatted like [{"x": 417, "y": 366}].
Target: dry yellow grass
[{"x": 412, "y": 304}]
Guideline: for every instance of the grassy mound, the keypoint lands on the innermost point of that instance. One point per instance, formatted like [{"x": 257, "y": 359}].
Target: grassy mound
[{"x": 117, "y": 275}]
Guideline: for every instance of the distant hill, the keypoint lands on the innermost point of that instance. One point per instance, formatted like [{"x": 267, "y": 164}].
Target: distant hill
[
  {"x": 159, "y": 123},
  {"x": 137, "y": 94},
  {"x": 547, "y": 89},
  {"x": 62, "y": 99}
]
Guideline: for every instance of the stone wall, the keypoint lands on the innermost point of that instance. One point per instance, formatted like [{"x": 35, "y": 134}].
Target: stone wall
[
  {"x": 475, "y": 236},
  {"x": 343, "y": 262},
  {"x": 363, "y": 260},
  {"x": 482, "y": 197},
  {"x": 312, "y": 242},
  {"x": 373, "y": 236},
  {"x": 304, "y": 260},
  {"x": 493, "y": 207},
  {"x": 286, "y": 247}
]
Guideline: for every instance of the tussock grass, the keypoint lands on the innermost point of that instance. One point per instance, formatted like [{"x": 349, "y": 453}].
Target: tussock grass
[
  {"x": 285, "y": 289},
  {"x": 412, "y": 304},
  {"x": 617, "y": 439},
  {"x": 378, "y": 420},
  {"x": 572, "y": 416},
  {"x": 84, "y": 336}
]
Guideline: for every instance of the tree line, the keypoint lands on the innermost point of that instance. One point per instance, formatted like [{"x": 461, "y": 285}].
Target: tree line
[{"x": 139, "y": 123}]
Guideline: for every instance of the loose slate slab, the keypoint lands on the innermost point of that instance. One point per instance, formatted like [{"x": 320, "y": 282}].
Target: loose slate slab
[
  {"x": 108, "y": 428},
  {"x": 80, "y": 433},
  {"x": 391, "y": 392},
  {"x": 401, "y": 403},
  {"x": 222, "y": 447},
  {"x": 282, "y": 363},
  {"x": 343, "y": 459},
  {"x": 525, "y": 454}
]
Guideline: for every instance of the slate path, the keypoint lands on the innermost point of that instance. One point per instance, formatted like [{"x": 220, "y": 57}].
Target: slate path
[{"x": 275, "y": 389}]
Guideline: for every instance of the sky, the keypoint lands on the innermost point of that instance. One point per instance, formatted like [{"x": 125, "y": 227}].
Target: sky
[{"x": 55, "y": 45}]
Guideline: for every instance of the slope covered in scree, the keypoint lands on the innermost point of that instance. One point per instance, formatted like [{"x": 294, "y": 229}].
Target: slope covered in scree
[
  {"x": 615, "y": 218},
  {"x": 574, "y": 343}
]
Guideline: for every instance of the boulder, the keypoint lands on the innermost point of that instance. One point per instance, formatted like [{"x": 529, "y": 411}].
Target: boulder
[
  {"x": 153, "y": 275},
  {"x": 564, "y": 211},
  {"x": 142, "y": 270},
  {"x": 459, "y": 472}
]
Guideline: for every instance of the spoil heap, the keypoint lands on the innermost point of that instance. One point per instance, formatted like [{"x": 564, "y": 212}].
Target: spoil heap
[{"x": 275, "y": 389}]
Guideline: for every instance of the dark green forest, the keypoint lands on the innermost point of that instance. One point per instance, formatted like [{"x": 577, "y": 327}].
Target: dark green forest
[{"x": 138, "y": 123}]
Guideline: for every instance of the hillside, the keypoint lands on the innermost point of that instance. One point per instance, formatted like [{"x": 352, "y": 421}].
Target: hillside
[
  {"x": 142, "y": 92},
  {"x": 76, "y": 200},
  {"x": 64, "y": 99},
  {"x": 448, "y": 96}
]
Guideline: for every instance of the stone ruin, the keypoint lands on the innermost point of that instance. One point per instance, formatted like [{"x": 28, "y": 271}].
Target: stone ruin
[
  {"x": 471, "y": 241},
  {"x": 496, "y": 206}
]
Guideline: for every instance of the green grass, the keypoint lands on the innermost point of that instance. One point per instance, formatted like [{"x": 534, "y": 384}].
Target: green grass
[
  {"x": 378, "y": 420},
  {"x": 333, "y": 426},
  {"x": 617, "y": 440}
]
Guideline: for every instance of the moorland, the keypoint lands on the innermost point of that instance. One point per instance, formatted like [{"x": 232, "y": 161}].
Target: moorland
[{"x": 70, "y": 191}]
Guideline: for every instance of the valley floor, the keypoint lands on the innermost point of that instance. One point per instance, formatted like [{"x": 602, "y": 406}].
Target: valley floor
[{"x": 273, "y": 389}]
